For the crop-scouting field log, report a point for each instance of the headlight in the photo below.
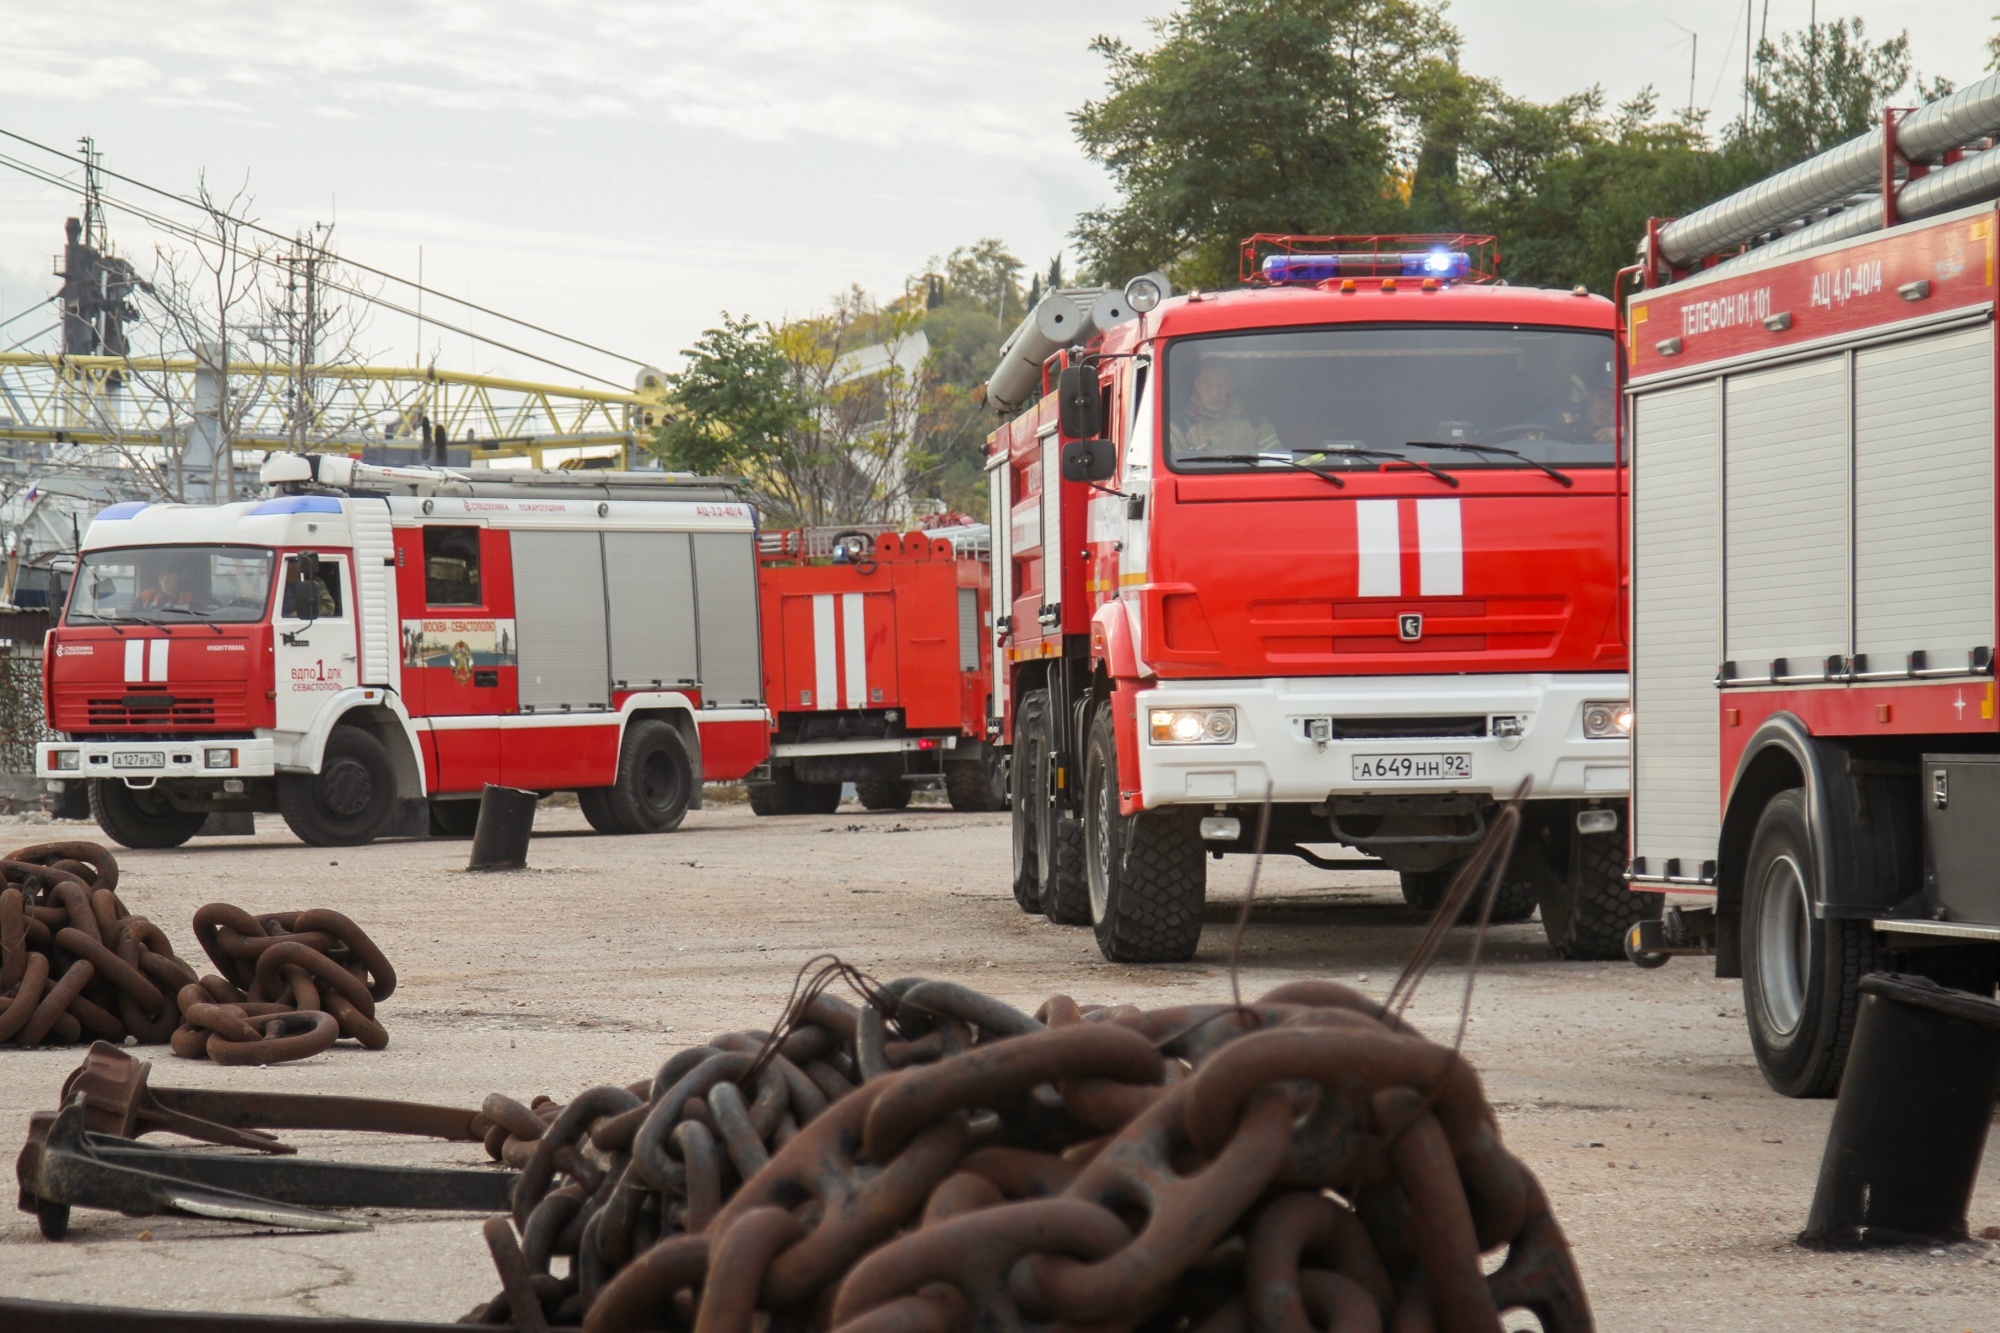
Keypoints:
(65, 761)
(1607, 719)
(1194, 726)
(219, 758)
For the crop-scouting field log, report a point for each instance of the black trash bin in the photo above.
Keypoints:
(506, 823)
(1909, 1130)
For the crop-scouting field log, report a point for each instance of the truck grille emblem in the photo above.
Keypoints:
(1410, 626)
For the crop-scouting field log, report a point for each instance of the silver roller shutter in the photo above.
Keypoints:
(1923, 499)
(1786, 517)
(374, 570)
(1000, 521)
(725, 581)
(651, 579)
(968, 629)
(559, 621)
(1676, 483)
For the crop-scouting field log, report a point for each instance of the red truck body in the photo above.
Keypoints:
(877, 667)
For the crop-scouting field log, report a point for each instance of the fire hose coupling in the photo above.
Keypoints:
(1193, 726)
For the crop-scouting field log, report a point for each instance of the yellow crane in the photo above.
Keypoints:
(151, 402)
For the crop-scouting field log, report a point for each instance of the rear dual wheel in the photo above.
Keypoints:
(653, 788)
(783, 794)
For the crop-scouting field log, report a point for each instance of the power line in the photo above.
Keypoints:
(31, 337)
(25, 313)
(380, 273)
(186, 232)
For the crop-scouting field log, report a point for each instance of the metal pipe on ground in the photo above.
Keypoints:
(506, 825)
(1909, 1130)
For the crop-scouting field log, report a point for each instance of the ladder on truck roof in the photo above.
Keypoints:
(296, 473)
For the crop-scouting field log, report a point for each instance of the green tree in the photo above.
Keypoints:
(736, 409)
(1821, 87)
(1253, 115)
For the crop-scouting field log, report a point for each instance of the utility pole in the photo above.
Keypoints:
(302, 319)
(97, 289)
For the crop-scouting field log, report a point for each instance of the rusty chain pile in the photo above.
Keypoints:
(291, 984)
(935, 1159)
(74, 961)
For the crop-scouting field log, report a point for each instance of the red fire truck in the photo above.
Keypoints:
(1816, 745)
(876, 667)
(367, 647)
(1344, 540)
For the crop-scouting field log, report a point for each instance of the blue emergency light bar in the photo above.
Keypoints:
(1444, 265)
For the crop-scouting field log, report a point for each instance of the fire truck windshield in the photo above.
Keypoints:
(1361, 398)
(168, 584)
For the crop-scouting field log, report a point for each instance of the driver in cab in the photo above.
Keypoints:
(169, 590)
(1214, 423)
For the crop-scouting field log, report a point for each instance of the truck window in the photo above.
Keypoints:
(1361, 396)
(451, 566)
(329, 585)
(168, 584)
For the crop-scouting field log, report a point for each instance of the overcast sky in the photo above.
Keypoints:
(624, 171)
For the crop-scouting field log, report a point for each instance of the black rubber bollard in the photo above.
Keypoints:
(506, 822)
(1909, 1129)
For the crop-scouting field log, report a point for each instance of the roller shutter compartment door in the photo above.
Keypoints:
(1923, 500)
(1785, 520)
(725, 581)
(650, 576)
(559, 621)
(1676, 489)
(968, 629)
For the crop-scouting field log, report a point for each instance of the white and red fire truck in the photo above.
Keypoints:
(1816, 746)
(1345, 539)
(367, 647)
(876, 667)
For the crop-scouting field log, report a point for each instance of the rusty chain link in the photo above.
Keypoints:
(290, 985)
(74, 962)
(935, 1159)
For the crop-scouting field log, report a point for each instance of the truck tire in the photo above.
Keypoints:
(595, 802)
(979, 785)
(654, 785)
(880, 794)
(454, 819)
(1801, 973)
(1024, 776)
(1146, 874)
(1059, 844)
(139, 819)
(1425, 890)
(1587, 909)
(346, 803)
(783, 794)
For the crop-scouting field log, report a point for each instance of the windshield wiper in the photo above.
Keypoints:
(1393, 457)
(1562, 477)
(1282, 459)
(182, 610)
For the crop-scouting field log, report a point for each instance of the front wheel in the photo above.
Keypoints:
(1147, 874)
(1587, 909)
(1024, 774)
(1801, 972)
(133, 818)
(1058, 834)
(346, 803)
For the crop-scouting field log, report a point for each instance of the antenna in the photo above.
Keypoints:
(1694, 52)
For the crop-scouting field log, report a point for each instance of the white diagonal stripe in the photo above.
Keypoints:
(854, 625)
(826, 680)
(1440, 549)
(1379, 543)
(156, 660)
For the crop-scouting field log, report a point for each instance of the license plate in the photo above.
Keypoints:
(1411, 767)
(141, 759)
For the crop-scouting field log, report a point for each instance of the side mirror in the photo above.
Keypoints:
(1079, 403)
(1089, 460)
(301, 600)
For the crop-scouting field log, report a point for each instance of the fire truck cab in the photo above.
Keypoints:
(1344, 541)
(367, 647)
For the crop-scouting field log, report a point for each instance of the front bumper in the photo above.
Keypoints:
(1273, 745)
(142, 763)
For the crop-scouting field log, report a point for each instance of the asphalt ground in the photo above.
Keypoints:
(1679, 1177)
